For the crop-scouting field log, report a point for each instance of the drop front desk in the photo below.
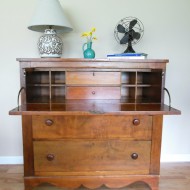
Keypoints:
(92, 122)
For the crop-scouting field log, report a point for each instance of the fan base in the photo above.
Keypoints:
(129, 49)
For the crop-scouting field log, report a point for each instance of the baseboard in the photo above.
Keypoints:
(11, 159)
(164, 158)
(175, 158)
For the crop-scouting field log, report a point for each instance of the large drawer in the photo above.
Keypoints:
(93, 92)
(131, 157)
(92, 126)
(84, 78)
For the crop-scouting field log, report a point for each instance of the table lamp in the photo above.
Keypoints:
(49, 18)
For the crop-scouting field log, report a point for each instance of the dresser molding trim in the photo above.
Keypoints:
(92, 182)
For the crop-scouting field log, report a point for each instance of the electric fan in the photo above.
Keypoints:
(128, 32)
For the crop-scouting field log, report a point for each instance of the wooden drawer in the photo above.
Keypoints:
(93, 107)
(84, 78)
(93, 93)
(91, 155)
(93, 127)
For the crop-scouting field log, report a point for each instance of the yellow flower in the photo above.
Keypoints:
(88, 35)
(93, 29)
(85, 34)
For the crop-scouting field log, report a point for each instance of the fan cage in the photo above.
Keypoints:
(125, 23)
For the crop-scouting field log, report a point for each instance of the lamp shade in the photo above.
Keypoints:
(49, 13)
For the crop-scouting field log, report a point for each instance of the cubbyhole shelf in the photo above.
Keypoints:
(141, 86)
(45, 86)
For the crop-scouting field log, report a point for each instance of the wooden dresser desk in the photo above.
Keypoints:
(92, 122)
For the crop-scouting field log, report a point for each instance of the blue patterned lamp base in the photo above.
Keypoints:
(50, 45)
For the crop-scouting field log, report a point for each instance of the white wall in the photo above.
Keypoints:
(167, 35)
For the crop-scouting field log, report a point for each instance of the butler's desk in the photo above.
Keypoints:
(92, 122)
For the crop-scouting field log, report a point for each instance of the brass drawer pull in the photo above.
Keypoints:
(134, 156)
(136, 122)
(50, 157)
(49, 122)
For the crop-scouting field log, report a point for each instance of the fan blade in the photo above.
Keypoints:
(132, 24)
(136, 35)
(120, 28)
(125, 39)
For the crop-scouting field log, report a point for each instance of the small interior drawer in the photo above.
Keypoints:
(85, 78)
(92, 155)
(93, 92)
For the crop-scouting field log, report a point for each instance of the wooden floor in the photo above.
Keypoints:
(174, 176)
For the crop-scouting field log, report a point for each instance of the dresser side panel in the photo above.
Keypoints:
(28, 146)
(156, 144)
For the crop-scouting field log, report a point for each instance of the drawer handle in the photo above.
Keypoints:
(93, 92)
(49, 122)
(134, 156)
(50, 157)
(136, 122)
